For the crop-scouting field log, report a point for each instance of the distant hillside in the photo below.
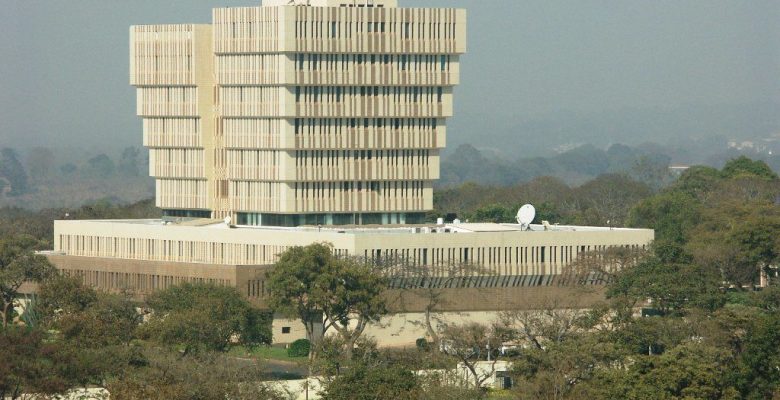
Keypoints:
(648, 164)
(44, 178)
(688, 131)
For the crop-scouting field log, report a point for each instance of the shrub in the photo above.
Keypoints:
(422, 344)
(299, 348)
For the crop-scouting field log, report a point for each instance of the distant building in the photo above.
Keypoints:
(678, 169)
(313, 121)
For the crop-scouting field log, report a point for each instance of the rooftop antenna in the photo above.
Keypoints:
(525, 215)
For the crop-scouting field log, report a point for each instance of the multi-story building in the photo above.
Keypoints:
(331, 113)
(321, 112)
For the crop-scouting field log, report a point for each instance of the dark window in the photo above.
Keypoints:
(285, 329)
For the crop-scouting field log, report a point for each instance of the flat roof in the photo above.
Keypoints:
(462, 227)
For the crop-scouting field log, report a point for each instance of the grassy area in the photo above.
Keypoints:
(500, 394)
(264, 352)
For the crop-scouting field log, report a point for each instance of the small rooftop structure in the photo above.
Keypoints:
(331, 3)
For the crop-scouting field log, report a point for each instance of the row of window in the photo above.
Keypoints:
(349, 29)
(263, 219)
(167, 94)
(329, 158)
(408, 94)
(169, 250)
(343, 62)
(186, 213)
(171, 125)
(176, 156)
(480, 281)
(137, 282)
(361, 5)
(328, 125)
(453, 257)
(387, 189)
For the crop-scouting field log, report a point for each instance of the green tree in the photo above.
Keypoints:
(30, 364)
(204, 317)
(547, 211)
(19, 264)
(63, 294)
(738, 239)
(309, 283)
(94, 330)
(652, 335)
(369, 382)
(294, 279)
(756, 373)
(743, 165)
(671, 287)
(671, 214)
(496, 213)
(688, 371)
(767, 299)
(607, 199)
(757, 239)
(350, 297)
(561, 370)
(110, 320)
(697, 180)
(158, 374)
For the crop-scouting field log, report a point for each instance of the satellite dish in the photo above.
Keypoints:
(227, 220)
(526, 214)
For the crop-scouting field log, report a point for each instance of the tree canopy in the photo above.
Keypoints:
(205, 317)
(19, 264)
(315, 286)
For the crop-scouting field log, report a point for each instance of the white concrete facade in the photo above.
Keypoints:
(505, 249)
(299, 112)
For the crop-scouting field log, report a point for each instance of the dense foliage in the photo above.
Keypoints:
(603, 201)
(16, 221)
(299, 348)
(313, 285)
(19, 264)
(686, 320)
(201, 317)
(83, 338)
(713, 336)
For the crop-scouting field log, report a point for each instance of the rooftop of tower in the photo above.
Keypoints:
(332, 3)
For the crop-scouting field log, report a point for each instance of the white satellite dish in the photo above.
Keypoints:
(526, 214)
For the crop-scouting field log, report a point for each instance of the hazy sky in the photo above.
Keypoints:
(64, 64)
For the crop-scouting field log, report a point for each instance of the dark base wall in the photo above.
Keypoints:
(496, 299)
(144, 277)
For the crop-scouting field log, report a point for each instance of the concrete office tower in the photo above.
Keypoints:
(299, 112)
